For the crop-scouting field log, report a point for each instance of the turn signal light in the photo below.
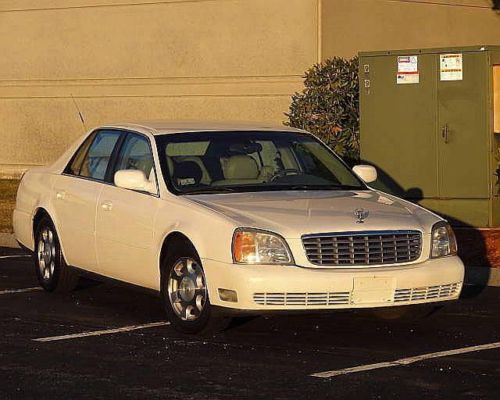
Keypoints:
(244, 246)
(252, 246)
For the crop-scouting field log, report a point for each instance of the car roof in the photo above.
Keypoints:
(162, 127)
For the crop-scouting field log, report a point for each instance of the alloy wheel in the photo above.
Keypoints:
(46, 253)
(187, 289)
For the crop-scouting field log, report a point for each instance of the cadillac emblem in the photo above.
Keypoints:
(361, 214)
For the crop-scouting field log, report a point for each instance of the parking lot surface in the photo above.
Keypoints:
(105, 341)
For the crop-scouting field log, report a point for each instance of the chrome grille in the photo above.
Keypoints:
(302, 299)
(363, 248)
(426, 293)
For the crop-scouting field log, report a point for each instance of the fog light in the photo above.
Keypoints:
(228, 295)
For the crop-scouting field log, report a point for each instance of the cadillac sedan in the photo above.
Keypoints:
(226, 220)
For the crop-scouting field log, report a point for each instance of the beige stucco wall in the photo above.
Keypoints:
(190, 59)
(350, 26)
(133, 59)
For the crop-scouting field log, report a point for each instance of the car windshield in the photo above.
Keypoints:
(255, 161)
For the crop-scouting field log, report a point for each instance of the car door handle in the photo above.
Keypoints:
(107, 206)
(60, 195)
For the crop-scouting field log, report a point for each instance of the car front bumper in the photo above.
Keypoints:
(281, 288)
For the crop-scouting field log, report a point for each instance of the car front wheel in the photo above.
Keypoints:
(185, 295)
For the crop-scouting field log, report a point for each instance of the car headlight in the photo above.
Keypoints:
(443, 240)
(252, 246)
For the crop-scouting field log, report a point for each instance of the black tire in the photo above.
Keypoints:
(53, 274)
(406, 313)
(208, 321)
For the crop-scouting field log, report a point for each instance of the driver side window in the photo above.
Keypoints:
(136, 154)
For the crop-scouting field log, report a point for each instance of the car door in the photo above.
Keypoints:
(76, 192)
(125, 219)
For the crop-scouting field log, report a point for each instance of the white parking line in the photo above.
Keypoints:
(406, 361)
(102, 332)
(15, 256)
(12, 291)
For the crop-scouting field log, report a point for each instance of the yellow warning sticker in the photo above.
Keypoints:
(451, 67)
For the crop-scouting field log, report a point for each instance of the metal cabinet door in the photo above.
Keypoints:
(463, 131)
(398, 125)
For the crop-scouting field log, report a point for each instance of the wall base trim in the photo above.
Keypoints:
(14, 171)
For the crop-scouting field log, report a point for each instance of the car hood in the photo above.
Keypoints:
(295, 213)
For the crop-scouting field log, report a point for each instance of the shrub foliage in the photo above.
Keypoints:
(329, 106)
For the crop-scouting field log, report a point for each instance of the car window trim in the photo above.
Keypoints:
(109, 175)
(113, 160)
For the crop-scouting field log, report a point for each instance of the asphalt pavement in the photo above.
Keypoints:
(107, 341)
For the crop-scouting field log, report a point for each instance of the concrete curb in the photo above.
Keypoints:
(7, 240)
(482, 276)
(474, 275)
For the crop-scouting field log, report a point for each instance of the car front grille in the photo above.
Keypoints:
(427, 293)
(302, 299)
(362, 248)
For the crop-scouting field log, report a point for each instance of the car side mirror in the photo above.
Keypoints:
(366, 172)
(134, 179)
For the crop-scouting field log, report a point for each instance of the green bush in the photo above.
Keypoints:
(329, 106)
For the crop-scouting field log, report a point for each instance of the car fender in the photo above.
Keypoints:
(209, 232)
(42, 189)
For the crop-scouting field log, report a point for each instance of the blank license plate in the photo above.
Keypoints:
(373, 290)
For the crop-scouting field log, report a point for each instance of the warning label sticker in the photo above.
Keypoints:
(407, 70)
(451, 67)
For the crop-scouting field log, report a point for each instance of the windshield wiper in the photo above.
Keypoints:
(322, 187)
(210, 191)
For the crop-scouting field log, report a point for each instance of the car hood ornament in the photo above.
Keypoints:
(361, 214)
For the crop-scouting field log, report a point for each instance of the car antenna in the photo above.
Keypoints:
(79, 113)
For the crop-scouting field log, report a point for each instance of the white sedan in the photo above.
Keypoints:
(229, 220)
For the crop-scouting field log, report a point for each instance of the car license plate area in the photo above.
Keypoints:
(371, 290)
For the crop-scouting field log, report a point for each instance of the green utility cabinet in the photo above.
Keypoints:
(430, 123)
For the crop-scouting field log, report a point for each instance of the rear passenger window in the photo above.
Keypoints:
(75, 165)
(97, 160)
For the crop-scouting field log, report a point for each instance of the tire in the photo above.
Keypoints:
(184, 293)
(406, 313)
(53, 274)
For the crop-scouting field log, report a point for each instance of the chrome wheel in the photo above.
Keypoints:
(46, 253)
(187, 289)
